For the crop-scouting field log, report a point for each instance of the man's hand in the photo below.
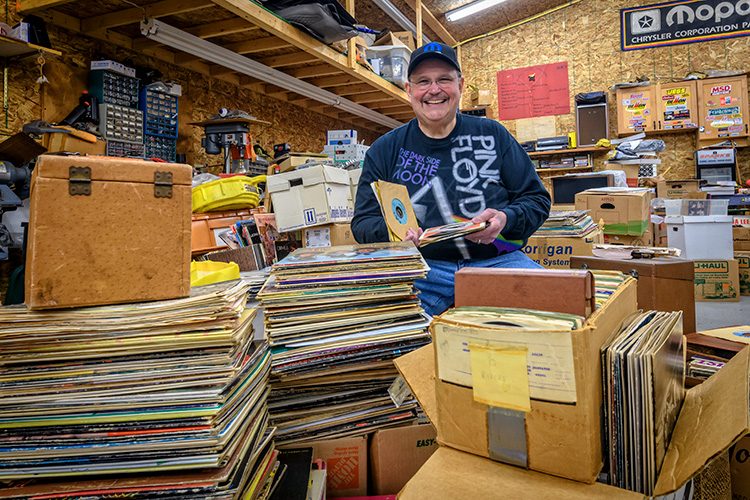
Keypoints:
(413, 236)
(496, 220)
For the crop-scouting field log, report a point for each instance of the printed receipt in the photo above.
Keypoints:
(550, 364)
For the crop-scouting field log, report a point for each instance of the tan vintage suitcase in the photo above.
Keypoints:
(106, 230)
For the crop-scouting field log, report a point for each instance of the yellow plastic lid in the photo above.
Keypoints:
(207, 272)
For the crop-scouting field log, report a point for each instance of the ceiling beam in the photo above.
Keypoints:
(287, 59)
(334, 81)
(135, 14)
(311, 71)
(27, 6)
(210, 30)
(431, 21)
(244, 47)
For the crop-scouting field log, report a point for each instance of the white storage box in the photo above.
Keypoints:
(341, 137)
(696, 207)
(701, 237)
(392, 62)
(346, 152)
(310, 196)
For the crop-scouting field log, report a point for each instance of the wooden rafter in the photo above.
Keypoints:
(287, 59)
(429, 18)
(135, 14)
(312, 71)
(27, 6)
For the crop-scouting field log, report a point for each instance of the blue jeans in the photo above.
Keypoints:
(437, 289)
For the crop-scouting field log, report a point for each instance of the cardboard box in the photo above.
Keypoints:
(397, 38)
(127, 240)
(346, 464)
(330, 235)
(643, 240)
(624, 212)
(717, 281)
(713, 417)
(663, 284)
(631, 172)
(481, 98)
(312, 196)
(743, 265)
(354, 176)
(296, 160)
(741, 238)
(57, 142)
(701, 236)
(555, 253)
(396, 454)
(572, 446)
(739, 468)
(677, 189)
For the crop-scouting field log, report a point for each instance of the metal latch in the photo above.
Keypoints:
(162, 184)
(79, 181)
(633, 273)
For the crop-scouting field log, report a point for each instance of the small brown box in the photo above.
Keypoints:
(106, 231)
(663, 284)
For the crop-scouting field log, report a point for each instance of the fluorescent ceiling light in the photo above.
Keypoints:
(398, 16)
(470, 8)
(184, 41)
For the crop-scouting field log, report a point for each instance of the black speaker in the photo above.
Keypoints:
(592, 123)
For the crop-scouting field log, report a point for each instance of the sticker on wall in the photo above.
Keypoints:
(721, 89)
(723, 122)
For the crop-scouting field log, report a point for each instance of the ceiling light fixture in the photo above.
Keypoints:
(470, 8)
(184, 41)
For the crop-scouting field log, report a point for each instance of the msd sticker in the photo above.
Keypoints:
(721, 89)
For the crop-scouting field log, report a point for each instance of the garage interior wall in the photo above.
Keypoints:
(587, 36)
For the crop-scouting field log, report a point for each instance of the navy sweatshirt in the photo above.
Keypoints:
(478, 166)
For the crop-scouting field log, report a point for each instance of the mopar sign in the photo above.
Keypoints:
(680, 22)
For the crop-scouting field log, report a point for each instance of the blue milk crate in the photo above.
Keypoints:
(159, 113)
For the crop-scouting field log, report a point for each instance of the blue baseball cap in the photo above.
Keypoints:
(435, 50)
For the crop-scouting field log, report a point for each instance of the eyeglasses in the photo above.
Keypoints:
(425, 84)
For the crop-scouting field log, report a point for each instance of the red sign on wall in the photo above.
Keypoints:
(533, 91)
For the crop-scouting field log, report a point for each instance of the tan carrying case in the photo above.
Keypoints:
(106, 230)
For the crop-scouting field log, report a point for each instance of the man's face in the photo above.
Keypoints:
(434, 90)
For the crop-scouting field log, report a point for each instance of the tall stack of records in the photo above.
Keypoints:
(573, 223)
(152, 400)
(643, 368)
(336, 318)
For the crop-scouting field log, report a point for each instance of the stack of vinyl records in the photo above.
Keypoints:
(152, 400)
(644, 378)
(336, 318)
(573, 223)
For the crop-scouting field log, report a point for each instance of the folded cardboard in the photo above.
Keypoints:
(297, 159)
(717, 281)
(743, 267)
(58, 142)
(739, 468)
(396, 454)
(555, 252)
(676, 189)
(625, 212)
(312, 196)
(354, 176)
(555, 290)
(713, 417)
(663, 284)
(346, 464)
(397, 38)
(330, 235)
(741, 238)
(107, 230)
(570, 448)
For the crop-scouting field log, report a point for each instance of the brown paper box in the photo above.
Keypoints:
(122, 243)
(559, 290)
(622, 212)
(717, 281)
(396, 454)
(330, 235)
(743, 265)
(663, 284)
(561, 439)
(713, 417)
(555, 253)
(677, 189)
(741, 236)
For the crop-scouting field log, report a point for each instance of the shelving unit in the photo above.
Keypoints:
(12, 48)
(588, 151)
(568, 151)
(249, 30)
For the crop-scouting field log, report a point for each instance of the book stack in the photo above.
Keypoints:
(336, 317)
(152, 400)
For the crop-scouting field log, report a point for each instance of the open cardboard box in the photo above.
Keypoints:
(713, 417)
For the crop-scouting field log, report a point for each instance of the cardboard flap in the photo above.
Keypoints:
(418, 369)
(450, 474)
(713, 417)
(107, 168)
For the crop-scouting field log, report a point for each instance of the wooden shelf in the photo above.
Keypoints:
(557, 169)
(590, 149)
(11, 47)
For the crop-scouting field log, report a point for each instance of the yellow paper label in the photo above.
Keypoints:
(500, 376)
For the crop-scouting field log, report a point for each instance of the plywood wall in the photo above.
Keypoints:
(202, 96)
(586, 35)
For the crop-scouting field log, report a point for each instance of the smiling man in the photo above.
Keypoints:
(455, 167)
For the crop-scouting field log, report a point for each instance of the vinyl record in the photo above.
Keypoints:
(399, 211)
